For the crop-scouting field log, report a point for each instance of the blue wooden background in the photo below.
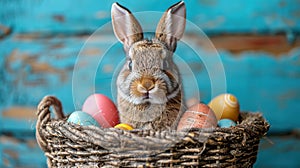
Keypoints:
(67, 49)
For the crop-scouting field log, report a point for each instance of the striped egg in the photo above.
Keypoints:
(197, 116)
(225, 106)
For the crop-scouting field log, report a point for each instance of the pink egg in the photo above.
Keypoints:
(102, 109)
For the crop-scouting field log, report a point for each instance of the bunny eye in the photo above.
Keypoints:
(129, 65)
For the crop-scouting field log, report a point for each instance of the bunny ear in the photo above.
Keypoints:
(171, 26)
(126, 28)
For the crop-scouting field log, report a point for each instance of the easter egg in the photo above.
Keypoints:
(225, 106)
(102, 109)
(123, 126)
(82, 118)
(226, 123)
(197, 116)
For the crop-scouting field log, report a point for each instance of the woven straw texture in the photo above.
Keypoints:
(71, 145)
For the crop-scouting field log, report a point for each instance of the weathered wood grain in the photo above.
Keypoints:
(279, 151)
(213, 16)
(45, 49)
(4, 31)
(22, 153)
(275, 45)
(20, 112)
(73, 67)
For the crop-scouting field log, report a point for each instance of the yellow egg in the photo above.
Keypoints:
(225, 106)
(123, 126)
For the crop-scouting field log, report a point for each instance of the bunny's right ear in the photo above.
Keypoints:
(126, 28)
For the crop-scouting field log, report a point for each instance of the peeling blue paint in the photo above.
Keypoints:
(254, 77)
(49, 40)
(277, 152)
(219, 16)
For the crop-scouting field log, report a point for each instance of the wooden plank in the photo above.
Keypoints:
(267, 84)
(14, 112)
(4, 31)
(17, 127)
(22, 153)
(262, 71)
(213, 16)
(279, 151)
(72, 68)
(35, 66)
(18, 121)
(57, 57)
(276, 45)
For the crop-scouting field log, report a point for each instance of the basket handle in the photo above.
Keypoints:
(43, 114)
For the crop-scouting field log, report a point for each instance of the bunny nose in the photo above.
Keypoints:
(146, 85)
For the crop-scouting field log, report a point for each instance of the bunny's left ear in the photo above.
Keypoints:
(126, 28)
(171, 26)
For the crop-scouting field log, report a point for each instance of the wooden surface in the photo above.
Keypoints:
(214, 16)
(48, 47)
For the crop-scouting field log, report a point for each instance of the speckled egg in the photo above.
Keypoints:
(197, 116)
(225, 106)
(82, 118)
(102, 109)
(226, 123)
(123, 126)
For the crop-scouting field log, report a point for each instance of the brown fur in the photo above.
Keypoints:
(135, 114)
(149, 84)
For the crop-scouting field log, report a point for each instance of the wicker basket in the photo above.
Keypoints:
(71, 145)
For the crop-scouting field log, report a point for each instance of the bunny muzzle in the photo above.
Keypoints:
(150, 88)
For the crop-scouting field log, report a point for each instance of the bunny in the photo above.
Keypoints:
(149, 93)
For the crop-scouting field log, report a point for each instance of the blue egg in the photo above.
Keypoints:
(82, 118)
(226, 123)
